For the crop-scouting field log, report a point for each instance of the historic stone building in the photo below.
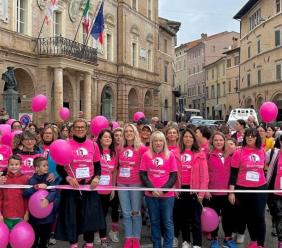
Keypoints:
(121, 79)
(261, 53)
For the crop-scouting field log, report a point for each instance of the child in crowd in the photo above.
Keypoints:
(13, 206)
(42, 227)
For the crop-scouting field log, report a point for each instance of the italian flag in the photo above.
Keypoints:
(85, 21)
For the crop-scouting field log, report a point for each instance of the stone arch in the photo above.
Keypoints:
(132, 103)
(277, 99)
(68, 95)
(134, 30)
(107, 102)
(148, 104)
(248, 102)
(260, 101)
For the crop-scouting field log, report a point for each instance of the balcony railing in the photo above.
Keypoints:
(60, 47)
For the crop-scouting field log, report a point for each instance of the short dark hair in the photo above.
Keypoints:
(242, 122)
(15, 157)
(143, 121)
(195, 147)
(252, 131)
(206, 132)
(38, 160)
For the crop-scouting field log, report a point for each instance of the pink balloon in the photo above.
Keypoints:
(4, 235)
(61, 152)
(268, 112)
(22, 235)
(64, 113)
(137, 116)
(7, 138)
(209, 220)
(115, 125)
(39, 103)
(34, 204)
(10, 121)
(98, 123)
(5, 128)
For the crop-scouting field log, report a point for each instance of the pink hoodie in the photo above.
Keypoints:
(199, 173)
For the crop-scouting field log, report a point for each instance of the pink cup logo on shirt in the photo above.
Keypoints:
(28, 162)
(107, 157)
(186, 158)
(1, 157)
(158, 162)
(82, 152)
(254, 158)
(128, 154)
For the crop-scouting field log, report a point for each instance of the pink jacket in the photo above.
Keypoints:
(199, 173)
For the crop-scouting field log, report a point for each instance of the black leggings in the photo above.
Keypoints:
(252, 207)
(105, 200)
(187, 213)
(42, 234)
(114, 204)
(277, 214)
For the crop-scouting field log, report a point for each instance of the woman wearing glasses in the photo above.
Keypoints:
(247, 173)
(80, 211)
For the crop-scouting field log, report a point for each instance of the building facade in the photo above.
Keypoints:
(198, 54)
(120, 79)
(261, 53)
(166, 67)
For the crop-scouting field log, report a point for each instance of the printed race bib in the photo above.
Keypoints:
(252, 176)
(124, 172)
(82, 173)
(104, 180)
(280, 182)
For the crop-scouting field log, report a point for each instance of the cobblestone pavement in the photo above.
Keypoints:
(271, 242)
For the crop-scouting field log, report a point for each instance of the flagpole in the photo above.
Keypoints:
(78, 27)
(94, 18)
(39, 33)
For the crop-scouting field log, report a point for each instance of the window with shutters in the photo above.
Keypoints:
(277, 6)
(4, 10)
(259, 75)
(21, 16)
(278, 37)
(57, 23)
(278, 71)
(228, 63)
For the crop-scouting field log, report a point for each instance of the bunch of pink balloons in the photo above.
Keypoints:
(268, 112)
(34, 205)
(64, 113)
(61, 152)
(39, 103)
(137, 116)
(97, 124)
(209, 220)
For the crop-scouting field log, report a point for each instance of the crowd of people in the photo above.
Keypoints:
(146, 154)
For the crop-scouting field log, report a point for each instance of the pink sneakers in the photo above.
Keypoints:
(136, 243)
(253, 244)
(128, 243)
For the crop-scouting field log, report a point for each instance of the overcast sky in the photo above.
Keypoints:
(201, 16)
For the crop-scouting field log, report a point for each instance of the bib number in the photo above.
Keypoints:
(252, 176)
(82, 173)
(124, 172)
(104, 180)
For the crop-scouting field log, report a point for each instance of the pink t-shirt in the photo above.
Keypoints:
(158, 170)
(5, 153)
(205, 148)
(278, 178)
(219, 171)
(186, 165)
(250, 162)
(46, 150)
(108, 166)
(129, 164)
(27, 163)
(85, 154)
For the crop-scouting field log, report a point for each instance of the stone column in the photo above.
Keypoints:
(87, 96)
(58, 92)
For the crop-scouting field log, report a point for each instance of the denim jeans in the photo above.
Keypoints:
(130, 202)
(161, 217)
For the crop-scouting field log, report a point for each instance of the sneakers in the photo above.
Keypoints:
(253, 244)
(135, 243)
(74, 246)
(185, 244)
(88, 245)
(229, 244)
(214, 244)
(105, 243)
(196, 246)
(97, 240)
(128, 243)
(114, 236)
(52, 240)
(273, 232)
(240, 238)
(175, 242)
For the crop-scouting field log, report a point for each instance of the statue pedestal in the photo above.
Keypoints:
(11, 103)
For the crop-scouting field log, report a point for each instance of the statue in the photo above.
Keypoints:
(9, 78)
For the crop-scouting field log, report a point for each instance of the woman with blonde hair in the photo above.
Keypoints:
(159, 170)
(129, 158)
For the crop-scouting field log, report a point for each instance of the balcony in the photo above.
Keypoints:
(63, 47)
(176, 91)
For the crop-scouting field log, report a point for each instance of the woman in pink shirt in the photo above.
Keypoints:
(159, 170)
(129, 158)
(172, 136)
(219, 174)
(192, 174)
(5, 153)
(108, 163)
(247, 172)
(203, 135)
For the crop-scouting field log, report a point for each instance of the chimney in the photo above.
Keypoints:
(204, 36)
(235, 42)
